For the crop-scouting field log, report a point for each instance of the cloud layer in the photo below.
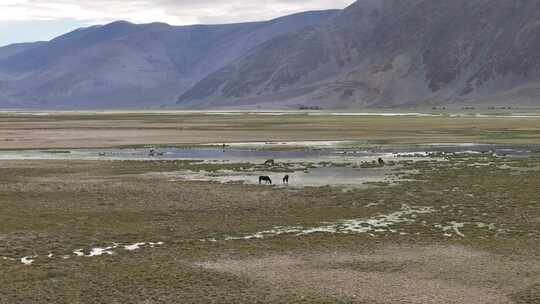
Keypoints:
(177, 12)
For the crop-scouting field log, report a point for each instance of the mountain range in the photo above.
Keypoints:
(374, 53)
(130, 65)
(391, 53)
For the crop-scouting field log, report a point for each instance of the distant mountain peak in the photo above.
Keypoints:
(119, 22)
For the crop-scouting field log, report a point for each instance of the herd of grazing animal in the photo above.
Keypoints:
(270, 162)
(268, 180)
(152, 153)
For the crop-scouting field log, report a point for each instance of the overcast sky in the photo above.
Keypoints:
(32, 20)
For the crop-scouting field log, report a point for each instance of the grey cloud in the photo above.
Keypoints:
(171, 11)
(212, 11)
(45, 19)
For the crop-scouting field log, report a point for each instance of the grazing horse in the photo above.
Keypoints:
(381, 162)
(286, 179)
(265, 179)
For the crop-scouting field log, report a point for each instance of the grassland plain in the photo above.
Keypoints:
(476, 240)
(479, 245)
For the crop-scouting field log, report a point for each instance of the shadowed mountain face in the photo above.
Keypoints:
(128, 65)
(14, 49)
(382, 53)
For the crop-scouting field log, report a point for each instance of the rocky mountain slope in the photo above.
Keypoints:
(380, 53)
(129, 65)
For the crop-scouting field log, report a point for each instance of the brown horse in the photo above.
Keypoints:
(286, 179)
(265, 179)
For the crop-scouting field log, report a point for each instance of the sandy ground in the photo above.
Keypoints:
(393, 274)
(101, 130)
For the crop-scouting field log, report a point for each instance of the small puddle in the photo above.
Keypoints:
(382, 223)
(92, 252)
(28, 260)
(455, 228)
(452, 226)
(378, 224)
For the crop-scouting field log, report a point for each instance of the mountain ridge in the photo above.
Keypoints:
(122, 64)
(390, 53)
(374, 53)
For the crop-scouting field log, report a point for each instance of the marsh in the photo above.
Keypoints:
(454, 221)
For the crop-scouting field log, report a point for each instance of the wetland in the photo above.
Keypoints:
(452, 216)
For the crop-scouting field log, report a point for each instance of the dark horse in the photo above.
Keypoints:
(265, 179)
(286, 179)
